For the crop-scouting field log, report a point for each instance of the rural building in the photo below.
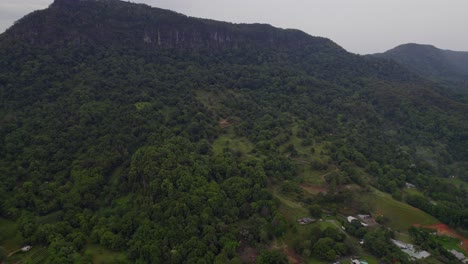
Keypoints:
(305, 220)
(460, 256)
(352, 218)
(410, 250)
(26, 248)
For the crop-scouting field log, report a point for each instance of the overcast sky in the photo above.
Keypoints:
(359, 26)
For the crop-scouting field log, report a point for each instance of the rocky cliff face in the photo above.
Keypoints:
(112, 22)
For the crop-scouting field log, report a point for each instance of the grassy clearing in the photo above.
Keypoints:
(50, 218)
(449, 242)
(403, 237)
(102, 255)
(210, 100)
(401, 215)
(412, 191)
(458, 182)
(309, 176)
(214, 100)
(12, 239)
(306, 156)
(289, 208)
(142, 105)
(35, 256)
(228, 140)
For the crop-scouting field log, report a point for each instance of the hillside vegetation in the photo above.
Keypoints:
(447, 66)
(141, 135)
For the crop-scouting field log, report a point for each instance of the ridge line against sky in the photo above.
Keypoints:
(359, 26)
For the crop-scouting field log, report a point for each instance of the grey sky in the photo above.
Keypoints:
(360, 26)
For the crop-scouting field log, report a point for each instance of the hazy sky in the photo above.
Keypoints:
(360, 26)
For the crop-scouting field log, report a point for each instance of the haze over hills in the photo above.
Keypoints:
(430, 61)
(139, 135)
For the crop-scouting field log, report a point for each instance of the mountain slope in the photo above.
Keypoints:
(167, 137)
(141, 26)
(431, 61)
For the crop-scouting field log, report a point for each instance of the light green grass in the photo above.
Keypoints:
(403, 237)
(306, 174)
(449, 242)
(412, 191)
(242, 145)
(401, 215)
(309, 176)
(142, 105)
(12, 239)
(210, 100)
(101, 255)
(458, 182)
(290, 209)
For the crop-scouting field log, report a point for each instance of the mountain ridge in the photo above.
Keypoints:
(151, 27)
(430, 61)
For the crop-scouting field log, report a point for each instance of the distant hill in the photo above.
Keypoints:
(430, 61)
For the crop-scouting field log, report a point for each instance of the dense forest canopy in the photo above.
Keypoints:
(112, 113)
(446, 66)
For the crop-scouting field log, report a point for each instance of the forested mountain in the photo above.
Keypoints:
(430, 61)
(166, 138)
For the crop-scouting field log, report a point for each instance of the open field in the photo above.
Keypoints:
(102, 255)
(12, 239)
(228, 140)
(401, 215)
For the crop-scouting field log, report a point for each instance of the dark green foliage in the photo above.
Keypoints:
(106, 136)
(431, 61)
(378, 243)
(431, 243)
(323, 244)
(3, 254)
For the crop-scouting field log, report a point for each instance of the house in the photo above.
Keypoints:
(410, 250)
(354, 261)
(363, 216)
(419, 254)
(305, 220)
(352, 218)
(400, 244)
(409, 185)
(26, 248)
(460, 256)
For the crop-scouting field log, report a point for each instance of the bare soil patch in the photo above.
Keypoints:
(223, 123)
(248, 254)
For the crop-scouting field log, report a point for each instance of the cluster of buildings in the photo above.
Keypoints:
(460, 256)
(410, 250)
